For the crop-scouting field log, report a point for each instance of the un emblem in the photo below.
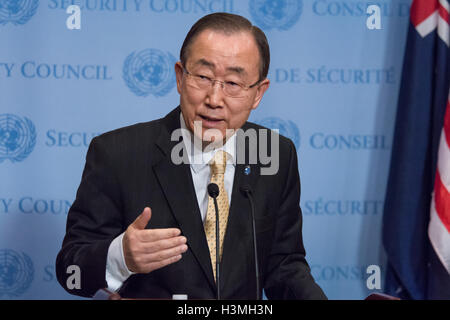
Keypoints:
(17, 137)
(149, 71)
(278, 14)
(286, 128)
(16, 273)
(17, 11)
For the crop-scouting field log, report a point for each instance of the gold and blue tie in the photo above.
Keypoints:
(218, 166)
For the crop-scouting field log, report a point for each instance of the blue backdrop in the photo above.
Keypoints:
(334, 87)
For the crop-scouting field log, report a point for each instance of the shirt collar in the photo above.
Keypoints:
(199, 159)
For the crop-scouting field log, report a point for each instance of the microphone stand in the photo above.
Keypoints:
(213, 191)
(247, 191)
(217, 249)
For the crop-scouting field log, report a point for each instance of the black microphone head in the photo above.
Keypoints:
(213, 190)
(245, 188)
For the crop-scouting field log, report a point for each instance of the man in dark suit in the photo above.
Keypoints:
(139, 224)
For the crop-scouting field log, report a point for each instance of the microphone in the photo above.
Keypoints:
(248, 192)
(213, 191)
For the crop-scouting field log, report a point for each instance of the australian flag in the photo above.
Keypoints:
(416, 222)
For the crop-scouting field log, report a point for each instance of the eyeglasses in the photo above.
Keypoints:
(230, 88)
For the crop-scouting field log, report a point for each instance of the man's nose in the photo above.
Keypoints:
(215, 95)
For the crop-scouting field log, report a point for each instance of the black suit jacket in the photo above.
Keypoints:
(130, 168)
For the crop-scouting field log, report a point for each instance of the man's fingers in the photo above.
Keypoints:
(142, 220)
(163, 255)
(152, 235)
(159, 264)
(155, 246)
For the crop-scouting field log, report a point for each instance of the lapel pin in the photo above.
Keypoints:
(247, 170)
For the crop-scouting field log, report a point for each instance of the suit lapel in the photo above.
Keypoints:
(177, 185)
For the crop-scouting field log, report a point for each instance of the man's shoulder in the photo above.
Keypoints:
(140, 128)
(130, 139)
(142, 132)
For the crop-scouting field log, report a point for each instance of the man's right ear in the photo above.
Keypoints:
(179, 75)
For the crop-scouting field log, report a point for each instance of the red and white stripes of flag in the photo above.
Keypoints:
(439, 226)
(427, 15)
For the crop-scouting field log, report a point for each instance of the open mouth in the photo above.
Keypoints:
(210, 119)
(211, 123)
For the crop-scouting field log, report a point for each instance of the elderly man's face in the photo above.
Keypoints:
(230, 58)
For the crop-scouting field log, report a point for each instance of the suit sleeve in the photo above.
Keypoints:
(93, 221)
(289, 275)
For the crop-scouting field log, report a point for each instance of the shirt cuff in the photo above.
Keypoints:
(116, 269)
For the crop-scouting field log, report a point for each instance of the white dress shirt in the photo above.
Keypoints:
(116, 269)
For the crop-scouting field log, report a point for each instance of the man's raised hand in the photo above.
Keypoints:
(146, 250)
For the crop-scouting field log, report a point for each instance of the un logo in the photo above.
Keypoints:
(17, 11)
(286, 128)
(278, 14)
(149, 71)
(16, 273)
(17, 137)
